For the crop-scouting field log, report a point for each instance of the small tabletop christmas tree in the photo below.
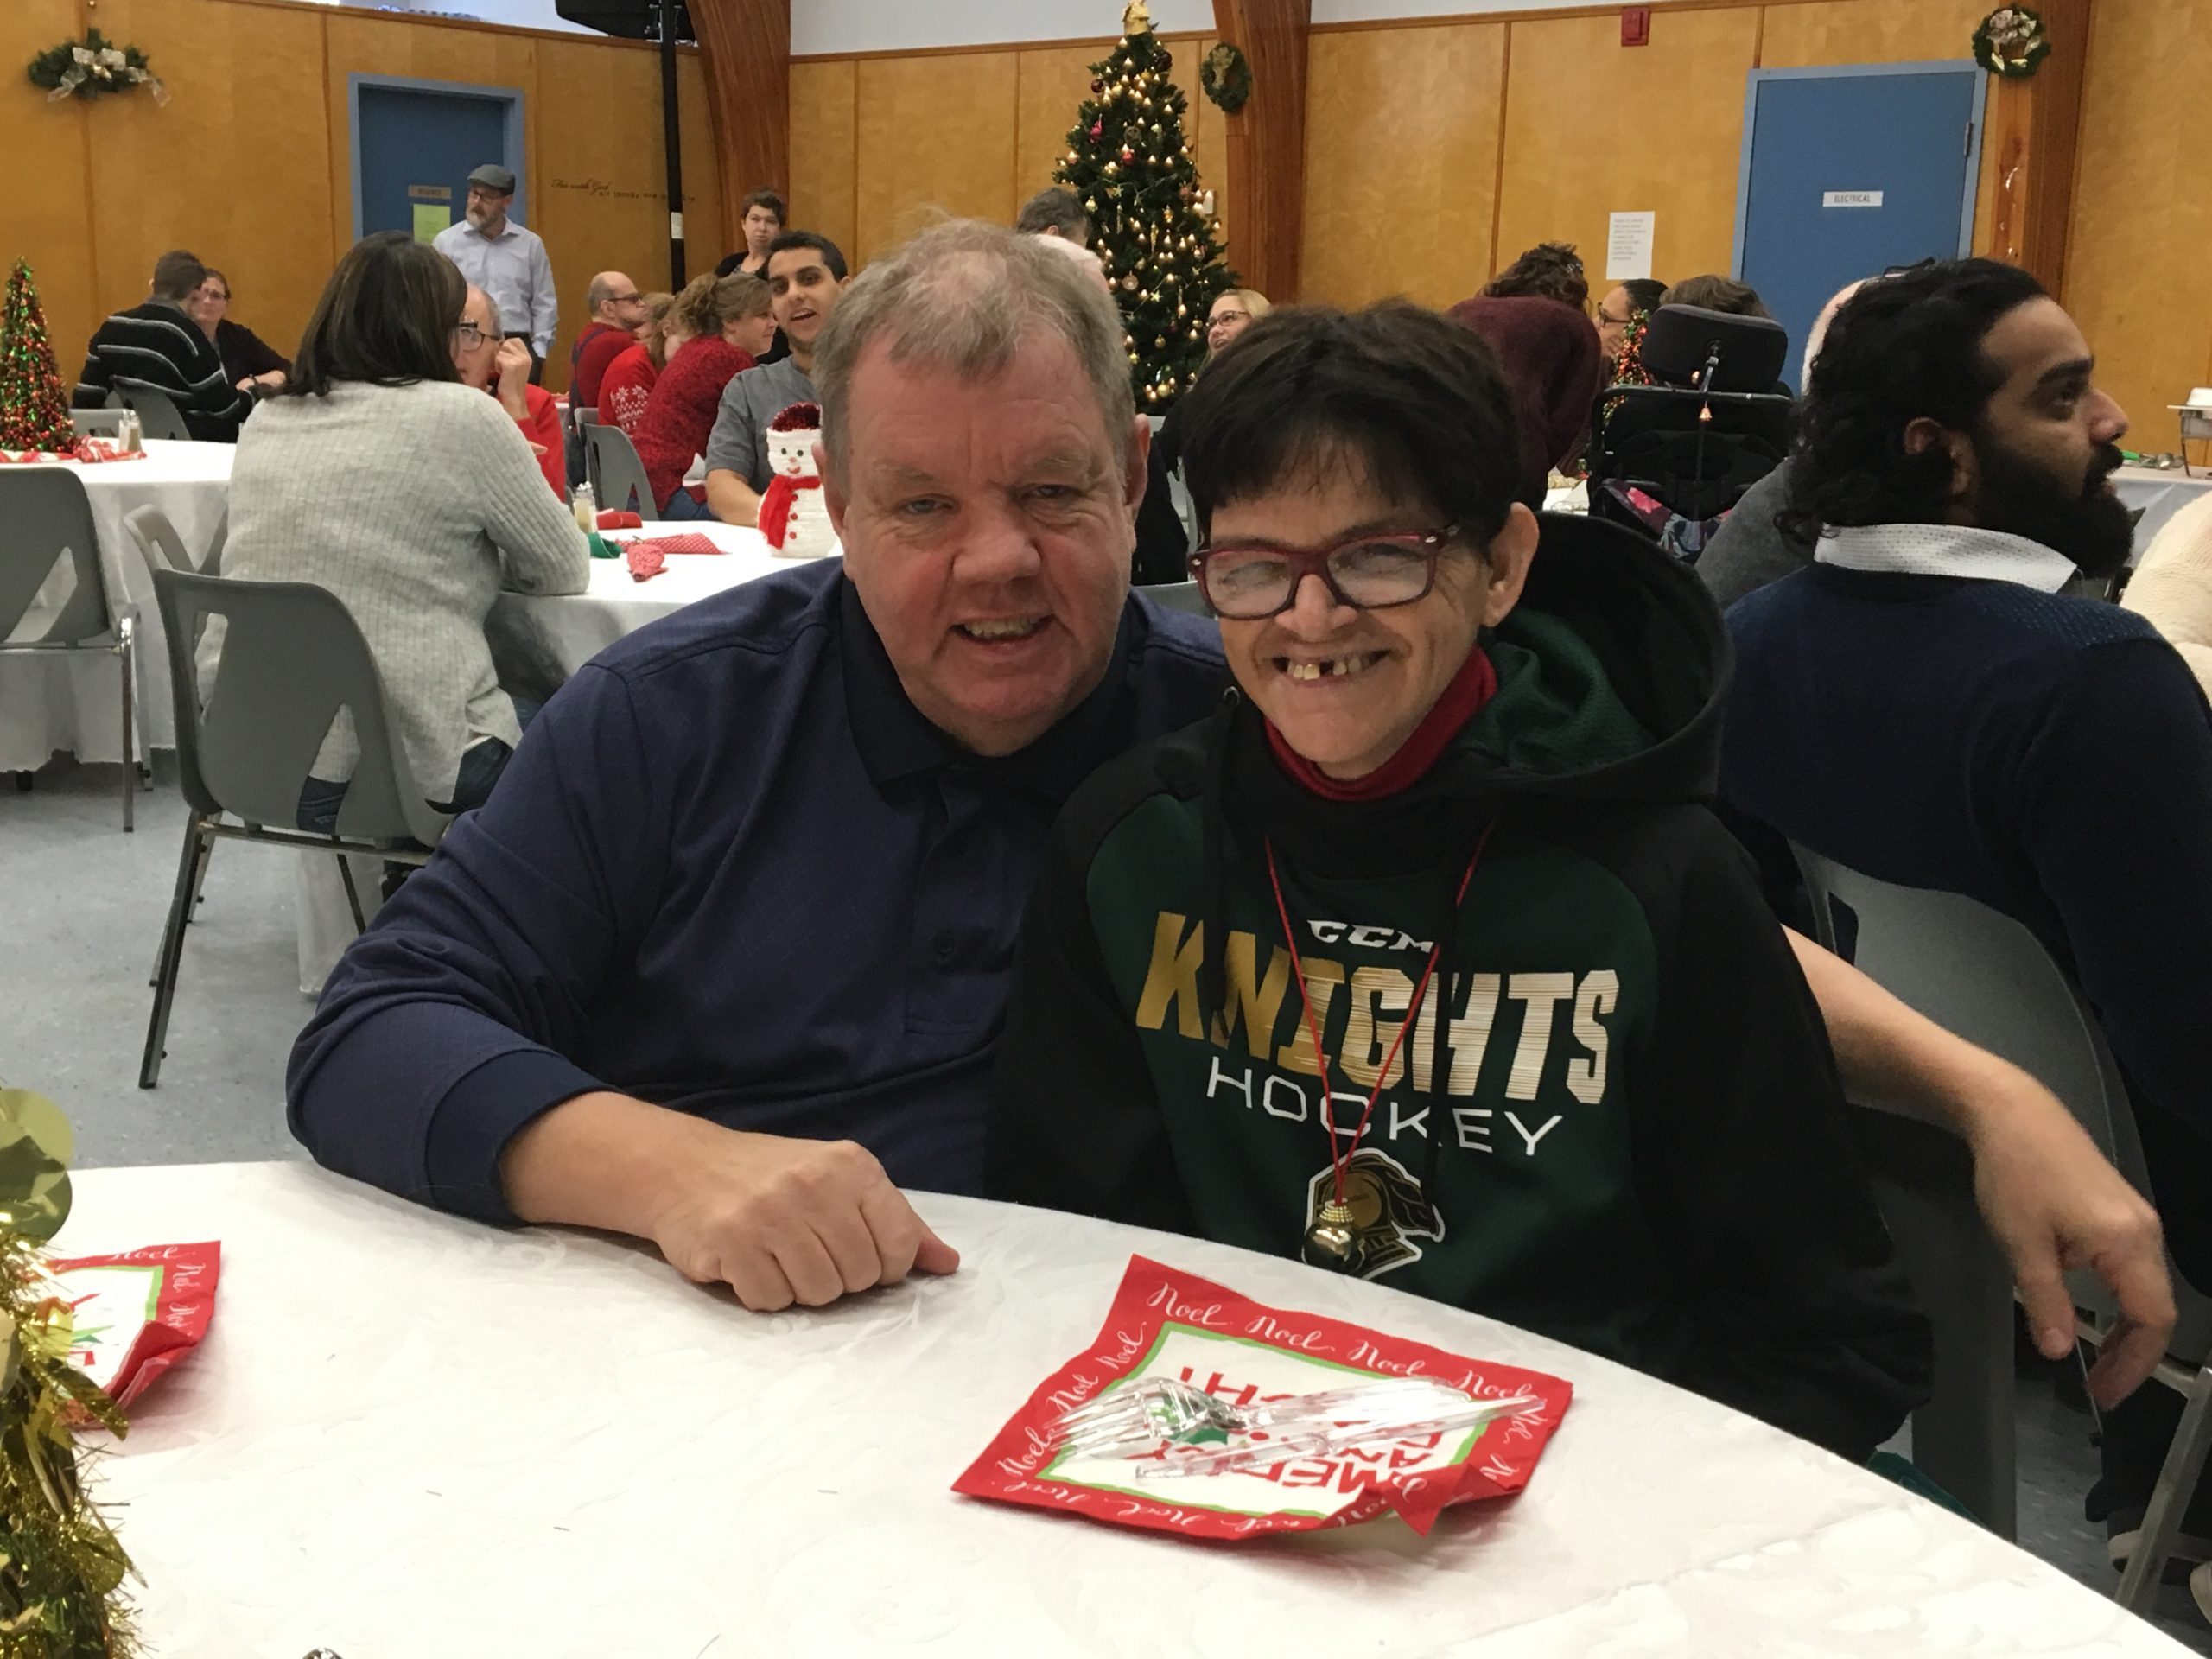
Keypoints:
(34, 408)
(1127, 165)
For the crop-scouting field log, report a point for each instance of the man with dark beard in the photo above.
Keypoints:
(1922, 706)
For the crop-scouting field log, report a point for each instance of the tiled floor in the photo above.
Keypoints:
(81, 911)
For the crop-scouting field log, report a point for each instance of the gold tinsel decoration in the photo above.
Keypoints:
(62, 1570)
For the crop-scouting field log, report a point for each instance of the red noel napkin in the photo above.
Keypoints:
(646, 560)
(1167, 1323)
(688, 541)
(612, 520)
(137, 1313)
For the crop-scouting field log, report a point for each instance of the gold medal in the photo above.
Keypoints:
(1329, 1238)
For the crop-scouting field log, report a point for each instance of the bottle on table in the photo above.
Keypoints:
(587, 508)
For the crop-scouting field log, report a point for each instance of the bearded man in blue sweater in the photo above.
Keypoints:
(1924, 706)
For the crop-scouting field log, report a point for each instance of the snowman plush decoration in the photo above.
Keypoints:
(793, 518)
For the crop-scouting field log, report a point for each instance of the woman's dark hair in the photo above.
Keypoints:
(1411, 399)
(822, 244)
(1644, 293)
(769, 199)
(1907, 347)
(1550, 270)
(386, 317)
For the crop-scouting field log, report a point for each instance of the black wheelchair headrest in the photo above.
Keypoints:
(1679, 339)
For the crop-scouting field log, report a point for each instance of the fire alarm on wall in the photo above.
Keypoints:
(1636, 26)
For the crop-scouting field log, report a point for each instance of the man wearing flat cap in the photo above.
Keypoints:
(505, 261)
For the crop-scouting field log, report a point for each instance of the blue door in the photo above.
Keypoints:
(1848, 172)
(415, 144)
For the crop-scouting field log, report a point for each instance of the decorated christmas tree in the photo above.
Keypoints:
(1127, 164)
(34, 408)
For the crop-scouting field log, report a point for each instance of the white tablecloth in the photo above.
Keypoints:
(73, 704)
(412, 1435)
(537, 643)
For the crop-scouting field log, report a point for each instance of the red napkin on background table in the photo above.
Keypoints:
(612, 520)
(687, 542)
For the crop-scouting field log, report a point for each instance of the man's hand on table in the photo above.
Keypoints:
(779, 1220)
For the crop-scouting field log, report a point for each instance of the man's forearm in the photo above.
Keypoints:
(731, 499)
(600, 1159)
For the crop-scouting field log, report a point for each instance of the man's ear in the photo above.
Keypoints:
(1923, 433)
(1137, 470)
(1511, 551)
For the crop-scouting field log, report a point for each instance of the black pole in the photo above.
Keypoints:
(672, 141)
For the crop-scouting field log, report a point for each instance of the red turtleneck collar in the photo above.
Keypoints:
(1472, 687)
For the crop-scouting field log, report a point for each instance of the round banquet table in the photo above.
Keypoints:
(411, 1435)
(73, 701)
(537, 642)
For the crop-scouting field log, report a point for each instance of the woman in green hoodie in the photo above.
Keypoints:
(1424, 958)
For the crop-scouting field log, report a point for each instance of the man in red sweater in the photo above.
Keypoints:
(502, 368)
(617, 309)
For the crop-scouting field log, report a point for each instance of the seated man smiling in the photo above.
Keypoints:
(1423, 960)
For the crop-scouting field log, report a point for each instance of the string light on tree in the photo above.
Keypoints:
(34, 408)
(1129, 164)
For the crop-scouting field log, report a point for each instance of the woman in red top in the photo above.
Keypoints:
(629, 378)
(726, 324)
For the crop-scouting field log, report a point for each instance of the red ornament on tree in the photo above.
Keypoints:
(1097, 85)
(34, 408)
(1096, 127)
(1127, 155)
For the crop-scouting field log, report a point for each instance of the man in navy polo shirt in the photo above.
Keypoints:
(722, 963)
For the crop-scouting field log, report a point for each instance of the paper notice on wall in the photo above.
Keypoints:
(1628, 247)
(431, 218)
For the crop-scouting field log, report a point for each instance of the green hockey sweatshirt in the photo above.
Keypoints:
(1614, 1119)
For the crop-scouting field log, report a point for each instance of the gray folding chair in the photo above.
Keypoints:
(157, 411)
(46, 517)
(1987, 978)
(96, 423)
(618, 477)
(292, 659)
(1178, 596)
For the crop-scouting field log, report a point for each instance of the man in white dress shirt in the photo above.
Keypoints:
(506, 261)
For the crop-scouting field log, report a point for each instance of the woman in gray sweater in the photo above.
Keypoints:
(376, 474)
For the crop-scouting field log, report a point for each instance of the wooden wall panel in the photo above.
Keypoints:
(1050, 86)
(47, 216)
(1428, 100)
(602, 184)
(933, 134)
(2138, 271)
(745, 46)
(1814, 33)
(1593, 127)
(825, 138)
(704, 233)
(241, 182)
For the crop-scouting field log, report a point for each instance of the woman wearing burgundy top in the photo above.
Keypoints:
(726, 322)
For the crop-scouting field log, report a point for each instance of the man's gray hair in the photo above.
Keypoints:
(963, 295)
(491, 307)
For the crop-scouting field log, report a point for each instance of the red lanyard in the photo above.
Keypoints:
(1340, 1164)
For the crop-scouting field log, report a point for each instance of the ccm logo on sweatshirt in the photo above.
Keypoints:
(1368, 938)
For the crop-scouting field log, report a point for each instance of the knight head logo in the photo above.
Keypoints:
(1388, 1212)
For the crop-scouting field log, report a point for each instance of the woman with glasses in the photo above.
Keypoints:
(1422, 960)
(250, 363)
(379, 474)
